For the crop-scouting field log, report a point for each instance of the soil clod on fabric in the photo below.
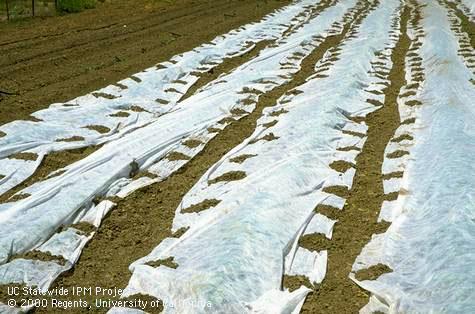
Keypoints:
(241, 158)
(268, 137)
(41, 256)
(120, 114)
(373, 272)
(174, 156)
(99, 128)
(204, 205)
(228, 177)
(397, 154)
(295, 282)
(191, 143)
(71, 139)
(24, 156)
(342, 166)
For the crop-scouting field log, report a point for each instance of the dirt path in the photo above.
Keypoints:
(60, 58)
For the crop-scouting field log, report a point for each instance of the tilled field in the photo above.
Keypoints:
(314, 157)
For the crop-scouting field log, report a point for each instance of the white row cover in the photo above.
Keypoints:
(430, 243)
(235, 254)
(145, 97)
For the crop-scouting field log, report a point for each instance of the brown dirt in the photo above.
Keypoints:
(120, 114)
(18, 197)
(98, 128)
(24, 156)
(229, 176)
(412, 103)
(180, 232)
(397, 154)
(409, 121)
(41, 256)
(270, 124)
(372, 272)
(402, 138)
(331, 212)
(201, 206)
(319, 240)
(278, 113)
(268, 137)
(354, 133)
(294, 282)
(338, 190)
(137, 109)
(391, 196)
(59, 58)
(348, 148)
(397, 174)
(341, 166)
(241, 158)
(191, 143)
(358, 219)
(74, 138)
(213, 130)
(174, 156)
(238, 111)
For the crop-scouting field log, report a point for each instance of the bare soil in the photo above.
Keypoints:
(55, 59)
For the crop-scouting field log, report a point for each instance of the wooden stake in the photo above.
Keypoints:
(33, 7)
(8, 12)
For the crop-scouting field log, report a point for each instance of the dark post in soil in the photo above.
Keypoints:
(33, 7)
(8, 12)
